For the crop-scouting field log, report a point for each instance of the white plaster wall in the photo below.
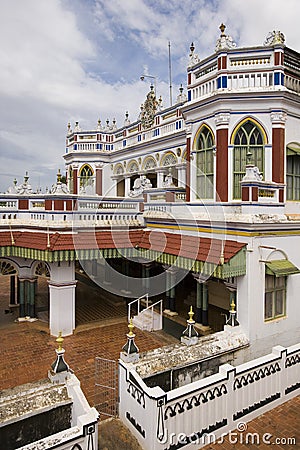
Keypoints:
(283, 331)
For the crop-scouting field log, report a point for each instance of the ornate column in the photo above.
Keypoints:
(278, 120)
(31, 289)
(27, 289)
(221, 175)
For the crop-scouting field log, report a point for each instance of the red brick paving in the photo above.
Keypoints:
(28, 351)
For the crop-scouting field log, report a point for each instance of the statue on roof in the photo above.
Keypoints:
(59, 187)
(225, 41)
(194, 58)
(274, 37)
(149, 109)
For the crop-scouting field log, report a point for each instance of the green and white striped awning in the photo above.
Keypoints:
(281, 268)
(293, 148)
(235, 266)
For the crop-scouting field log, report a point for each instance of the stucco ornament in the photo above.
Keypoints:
(140, 185)
(149, 109)
(274, 37)
(224, 41)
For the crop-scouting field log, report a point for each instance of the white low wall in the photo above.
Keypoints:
(212, 406)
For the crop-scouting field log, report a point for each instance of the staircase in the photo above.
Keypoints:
(148, 319)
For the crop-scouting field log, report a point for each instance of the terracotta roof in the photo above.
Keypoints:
(193, 247)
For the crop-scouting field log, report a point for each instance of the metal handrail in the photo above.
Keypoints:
(138, 300)
(151, 307)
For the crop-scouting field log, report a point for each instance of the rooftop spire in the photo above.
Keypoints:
(224, 42)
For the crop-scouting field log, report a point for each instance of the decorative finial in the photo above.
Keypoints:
(59, 340)
(232, 305)
(224, 42)
(222, 28)
(232, 320)
(191, 313)
(190, 335)
(194, 58)
(130, 352)
(131, 327)
(59, 368)
(58, 179)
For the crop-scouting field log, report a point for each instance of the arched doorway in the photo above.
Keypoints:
(42, 272)
(9, 306)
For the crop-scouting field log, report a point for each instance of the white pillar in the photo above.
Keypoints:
(127, 185)
(160, 177)
(181, 174)
(62, 286)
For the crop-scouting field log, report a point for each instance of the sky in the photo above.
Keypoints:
(80, 60)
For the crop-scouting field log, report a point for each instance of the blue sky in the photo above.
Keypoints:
(68, 60)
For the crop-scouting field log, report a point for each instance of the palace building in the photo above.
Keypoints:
(193, 204)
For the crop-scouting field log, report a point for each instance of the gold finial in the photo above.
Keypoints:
(131, 327)
(58, 176)
(59, 340)
(222, 28)
(232, 304)
(191, 313)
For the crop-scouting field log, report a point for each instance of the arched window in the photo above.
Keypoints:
(248, 147)
(86, 176)
(205, 163)
(293, 171)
